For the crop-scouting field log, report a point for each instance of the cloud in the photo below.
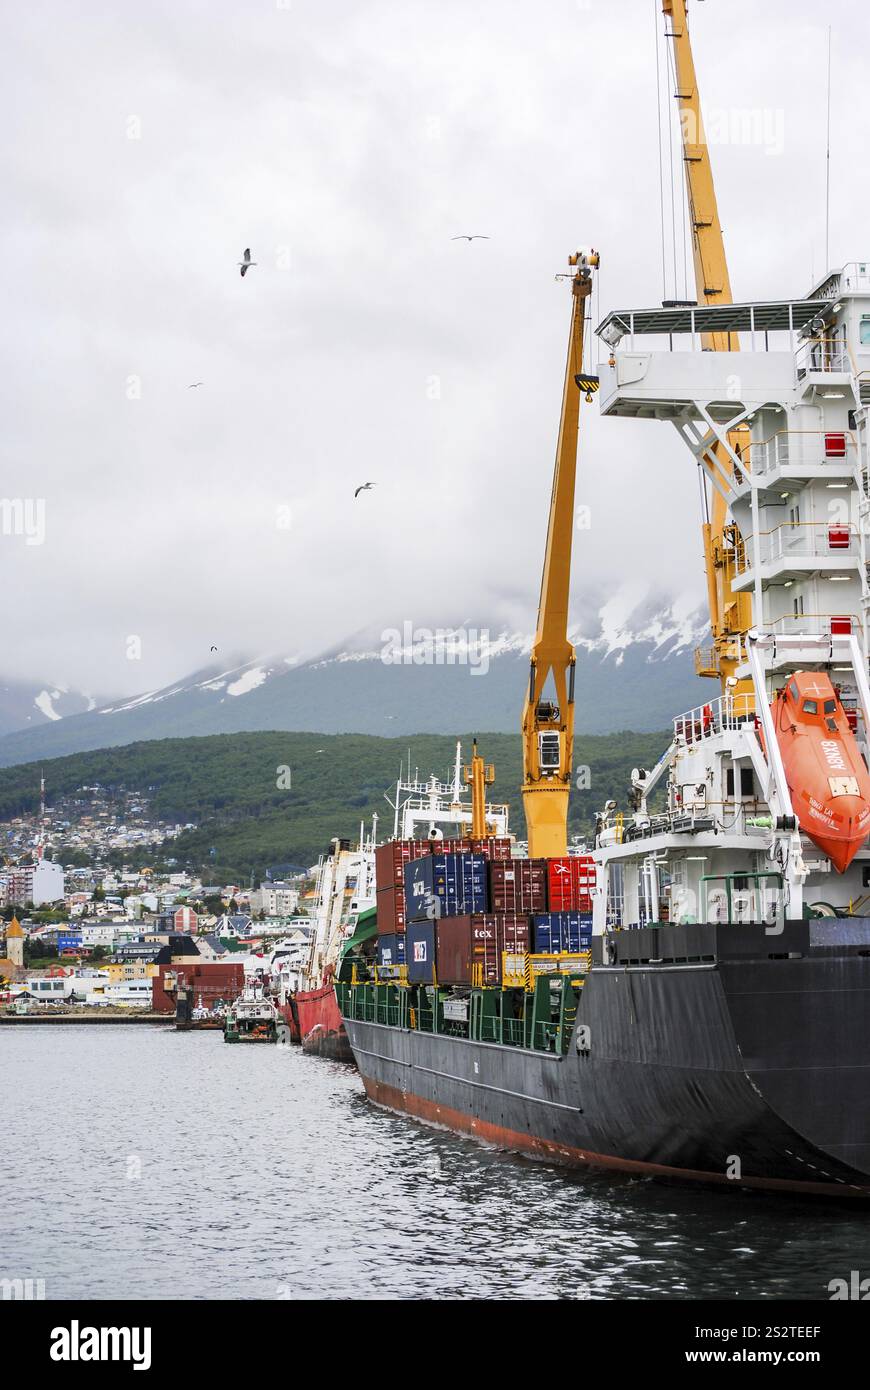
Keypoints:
(346, 144)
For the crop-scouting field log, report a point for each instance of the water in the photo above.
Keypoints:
(145, 1163)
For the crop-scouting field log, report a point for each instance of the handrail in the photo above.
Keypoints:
(833, 360)
(806, 618)
(724, 712)
(775, 451)
(744, 561)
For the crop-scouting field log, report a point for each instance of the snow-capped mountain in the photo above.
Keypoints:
(403, 680)
(32, 705)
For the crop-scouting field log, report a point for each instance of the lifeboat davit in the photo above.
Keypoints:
(826, 774)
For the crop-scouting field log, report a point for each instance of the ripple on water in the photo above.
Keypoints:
(170, 1165)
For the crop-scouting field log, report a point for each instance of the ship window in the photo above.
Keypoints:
(865, 329)
(844, 786)
(747, 785)
(793, 691)
(830, 706)
(832, 725)
(811, 707)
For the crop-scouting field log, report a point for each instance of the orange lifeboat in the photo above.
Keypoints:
(826, 774)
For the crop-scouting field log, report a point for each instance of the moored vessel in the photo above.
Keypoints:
(718, 1027)
(253, 1018)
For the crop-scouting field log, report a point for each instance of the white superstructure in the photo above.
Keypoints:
(787, 405)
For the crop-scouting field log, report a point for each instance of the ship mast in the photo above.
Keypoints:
(479, 776)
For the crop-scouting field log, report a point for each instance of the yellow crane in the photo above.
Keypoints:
(730, 613)
(548, 725)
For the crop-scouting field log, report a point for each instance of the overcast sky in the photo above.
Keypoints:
(145, 145)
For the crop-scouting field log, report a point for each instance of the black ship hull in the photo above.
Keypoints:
(746, 1064)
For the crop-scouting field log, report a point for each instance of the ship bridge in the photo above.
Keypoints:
(685, 361)
(772, 399)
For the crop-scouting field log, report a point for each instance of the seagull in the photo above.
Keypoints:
(212, 649)
(193, 385)
(464, 237)
(363, 487)
(247, 262)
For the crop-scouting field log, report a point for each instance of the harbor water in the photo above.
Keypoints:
(142, 1163)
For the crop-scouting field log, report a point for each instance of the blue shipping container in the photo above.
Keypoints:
(556, 932)
(446, 885)
(391, 949)
(420, 951)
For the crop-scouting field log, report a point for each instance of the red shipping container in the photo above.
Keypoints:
(390, 905)
(570, 883)
(465, 943)
(391, 858)
(493, 848)
(518, 885)
(492, 934)
(453, 950)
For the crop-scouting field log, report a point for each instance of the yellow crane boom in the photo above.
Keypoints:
(730, 613)
(548, 725)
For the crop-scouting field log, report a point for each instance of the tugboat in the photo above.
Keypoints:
(253, 1018)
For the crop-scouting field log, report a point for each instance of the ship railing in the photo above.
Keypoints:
(817, 624)
(716, 716)
(799, 539)
(825, 353)
(855, 276)
(509, 1031)
(802, 449)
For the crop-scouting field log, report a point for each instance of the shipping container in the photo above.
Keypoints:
(391, 858)
(570, 882)
(391, 949)
(518, 885)
(420, 952)
(470, 948)
(449, 846)
(445, 885)
(390, 905)
(562, 931)
(453, 950)
(493, 848)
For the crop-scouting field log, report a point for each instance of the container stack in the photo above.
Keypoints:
(450, 910)
(390, 862)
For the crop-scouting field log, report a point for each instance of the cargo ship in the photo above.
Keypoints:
(709, 1018)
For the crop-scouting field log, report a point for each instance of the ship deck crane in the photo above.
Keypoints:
(547, 724)
(730, 612)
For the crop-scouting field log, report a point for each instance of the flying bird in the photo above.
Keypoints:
(363, 487)
(247, 262)
(463, 236)
(193, 385)
(212, 649)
